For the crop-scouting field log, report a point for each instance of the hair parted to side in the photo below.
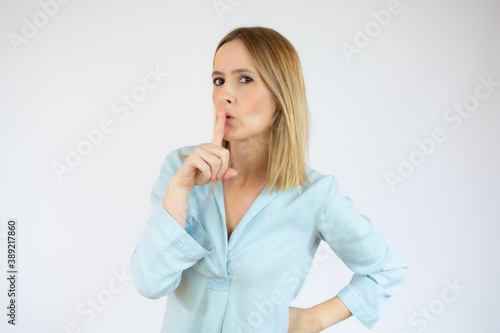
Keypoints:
(278, 64)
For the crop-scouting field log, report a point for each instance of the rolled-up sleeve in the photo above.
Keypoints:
(164, 248)
(379, 271)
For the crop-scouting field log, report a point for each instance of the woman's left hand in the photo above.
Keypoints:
(302, 320)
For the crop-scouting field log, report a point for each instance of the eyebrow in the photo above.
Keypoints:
(240, 70)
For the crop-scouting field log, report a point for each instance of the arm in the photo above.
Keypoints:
(330, 312)
(173, 240)
(318, 317)
(379, 272)
(167, 246)
(176, 201)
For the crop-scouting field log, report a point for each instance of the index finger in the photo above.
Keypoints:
(219, 129)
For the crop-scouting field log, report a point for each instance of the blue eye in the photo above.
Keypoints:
(216, 80)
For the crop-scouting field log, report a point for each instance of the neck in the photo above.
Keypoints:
(249, 158)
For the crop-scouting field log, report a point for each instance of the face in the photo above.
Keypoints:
(241, 93)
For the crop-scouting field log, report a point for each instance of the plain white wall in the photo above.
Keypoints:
(67, 73)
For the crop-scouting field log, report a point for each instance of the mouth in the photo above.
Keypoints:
(229, 118)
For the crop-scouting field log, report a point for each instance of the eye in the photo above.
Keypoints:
(218, 81)
(246, 79)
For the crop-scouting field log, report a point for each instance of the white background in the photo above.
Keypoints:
(74, 236)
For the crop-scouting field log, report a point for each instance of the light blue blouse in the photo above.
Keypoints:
(246, 284)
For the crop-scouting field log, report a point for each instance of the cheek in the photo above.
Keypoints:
(262, 102)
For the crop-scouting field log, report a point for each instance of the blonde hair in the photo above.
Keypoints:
(278, 64)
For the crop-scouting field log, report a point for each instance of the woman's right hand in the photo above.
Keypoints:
(207, 163)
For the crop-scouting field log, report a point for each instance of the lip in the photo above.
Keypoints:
(229, 118)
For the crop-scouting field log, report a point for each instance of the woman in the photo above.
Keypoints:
(236, 222)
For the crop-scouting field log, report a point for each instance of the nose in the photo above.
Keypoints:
(226, 99)
(226, 95)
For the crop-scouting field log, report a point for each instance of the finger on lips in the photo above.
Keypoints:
(217, 138)
(219, 129)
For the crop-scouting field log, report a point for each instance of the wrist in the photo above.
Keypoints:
(329, 313)
(178, 184)
(316, 320)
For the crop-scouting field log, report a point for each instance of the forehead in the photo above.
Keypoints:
(232, 55)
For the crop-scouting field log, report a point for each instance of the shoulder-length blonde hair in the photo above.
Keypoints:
(278, 63)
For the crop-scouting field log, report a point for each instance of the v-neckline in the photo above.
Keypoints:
(259, 203)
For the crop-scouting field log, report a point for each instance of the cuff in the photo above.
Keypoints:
(358, 306)
(193, 242)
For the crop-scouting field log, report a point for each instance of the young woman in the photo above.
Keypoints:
(237, 222)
